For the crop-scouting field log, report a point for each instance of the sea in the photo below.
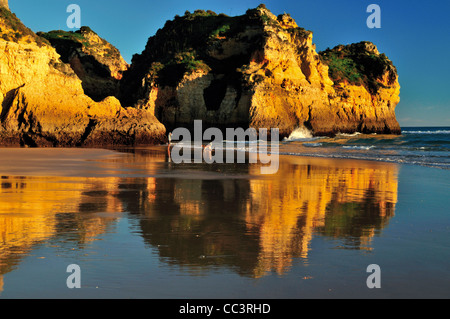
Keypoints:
(426, 146)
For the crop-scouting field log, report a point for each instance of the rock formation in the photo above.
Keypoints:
(255, 70)
(4, 3)
(96, 62)
(43, 102)
(259, 70)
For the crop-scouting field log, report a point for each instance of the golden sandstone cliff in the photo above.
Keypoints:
(97, 63)
(256, 70)
(4, 3)
(43, 102)
(259, 70)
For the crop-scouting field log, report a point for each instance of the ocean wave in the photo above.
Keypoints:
(359, 147)
(312, 144)
(300, 133)
(376, 158)
(349, 134)
(423, 149)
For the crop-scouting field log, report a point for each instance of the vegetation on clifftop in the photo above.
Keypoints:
(183, 46)
(358, 64)
(186, 43)
(95, 61)
(12, 29)
(63, 40)
(74, 36)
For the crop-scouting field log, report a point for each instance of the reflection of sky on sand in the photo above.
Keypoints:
(196, 216)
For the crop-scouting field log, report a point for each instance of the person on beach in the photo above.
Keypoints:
(208, 147)
(168, 145)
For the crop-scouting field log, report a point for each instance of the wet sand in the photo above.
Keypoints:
(140, 226)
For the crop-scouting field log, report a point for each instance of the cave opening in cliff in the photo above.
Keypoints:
(214, 94)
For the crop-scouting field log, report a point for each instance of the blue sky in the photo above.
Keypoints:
(415, 35)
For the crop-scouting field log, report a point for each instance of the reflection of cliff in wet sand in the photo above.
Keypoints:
(339, 199)
(276, 217)
(62, 208)
(36, 210)
(199, 216)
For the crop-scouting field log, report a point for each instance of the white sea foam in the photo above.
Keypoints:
(300, 133)
(359, 147)
(348, 134)
(312, 144)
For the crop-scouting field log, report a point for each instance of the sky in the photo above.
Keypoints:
(415, 35)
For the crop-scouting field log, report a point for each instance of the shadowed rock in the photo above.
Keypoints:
(96, 62)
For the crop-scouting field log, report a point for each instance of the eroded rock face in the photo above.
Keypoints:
(256, 70)
(4, 3)
(259, 70)
(96, 62)
(43, 102)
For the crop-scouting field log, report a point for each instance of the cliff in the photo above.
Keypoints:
(96, 62)
(256, 70)
(259, 70)
(43, 102)
(4, 3)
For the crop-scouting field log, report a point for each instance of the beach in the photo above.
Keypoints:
(140, 226)
(235, 151)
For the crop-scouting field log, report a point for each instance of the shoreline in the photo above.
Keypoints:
(222, 219)
(370, 160)
(416, 146)
(95, 162)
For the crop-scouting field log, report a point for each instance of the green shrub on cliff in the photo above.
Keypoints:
(299, 32)
(358, 64)
(76, 36)
(189, 61)
(182, 45)
(199, 13)
(344, 68)
(220, 31)
(171, 70)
